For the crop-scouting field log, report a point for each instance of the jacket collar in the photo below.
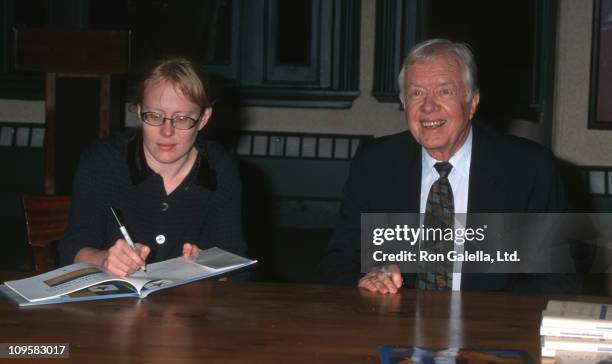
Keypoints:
(202, 172)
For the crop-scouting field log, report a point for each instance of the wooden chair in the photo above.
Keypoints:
(46, 218)
(71, 53)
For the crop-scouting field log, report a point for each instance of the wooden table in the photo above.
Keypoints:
(224, 322)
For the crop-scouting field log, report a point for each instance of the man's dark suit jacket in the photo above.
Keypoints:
(507, 174)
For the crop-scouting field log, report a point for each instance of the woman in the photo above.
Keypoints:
(176, 195)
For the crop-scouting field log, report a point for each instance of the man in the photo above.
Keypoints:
(487, 172)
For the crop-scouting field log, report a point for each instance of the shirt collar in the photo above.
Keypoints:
(459, 160)
(202, 171)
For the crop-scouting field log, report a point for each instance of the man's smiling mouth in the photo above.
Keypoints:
(433, 123)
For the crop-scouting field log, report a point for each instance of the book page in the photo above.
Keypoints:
(59, 282)
(207, 263)
(216, 258)
(167, 273)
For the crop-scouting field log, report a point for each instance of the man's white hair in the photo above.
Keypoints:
(433, 48)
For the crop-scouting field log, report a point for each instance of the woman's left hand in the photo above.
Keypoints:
(190, 250)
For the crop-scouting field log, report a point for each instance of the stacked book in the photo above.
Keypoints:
(576, 327)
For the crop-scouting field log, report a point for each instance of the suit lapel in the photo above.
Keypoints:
(485, 174)
(407, 183)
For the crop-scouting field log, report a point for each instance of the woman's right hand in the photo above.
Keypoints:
(121, 260)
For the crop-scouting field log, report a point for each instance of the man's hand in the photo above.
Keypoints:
(122, 260)
(386, 280)
(190, 250)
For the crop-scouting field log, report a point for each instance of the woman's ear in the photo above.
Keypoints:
(205, 117)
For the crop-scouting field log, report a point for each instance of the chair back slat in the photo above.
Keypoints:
(46, 219)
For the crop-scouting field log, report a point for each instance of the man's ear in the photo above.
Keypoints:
(205, 117)
(474, 103)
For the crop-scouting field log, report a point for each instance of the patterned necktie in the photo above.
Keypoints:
(439, 214)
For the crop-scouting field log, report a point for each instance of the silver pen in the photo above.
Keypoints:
(126, 235)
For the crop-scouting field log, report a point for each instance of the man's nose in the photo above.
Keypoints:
(429, 104)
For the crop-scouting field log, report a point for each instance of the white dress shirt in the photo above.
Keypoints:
(459, 178)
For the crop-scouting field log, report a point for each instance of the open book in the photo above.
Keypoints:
(83, 281)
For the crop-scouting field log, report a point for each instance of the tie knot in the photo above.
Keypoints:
(443, 168)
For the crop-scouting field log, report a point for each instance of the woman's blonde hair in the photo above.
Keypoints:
(186, 76)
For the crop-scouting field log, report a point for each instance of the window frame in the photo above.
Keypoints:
(331, 81)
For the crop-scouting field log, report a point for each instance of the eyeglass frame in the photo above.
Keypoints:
(195, 121)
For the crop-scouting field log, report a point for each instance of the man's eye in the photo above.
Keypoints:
(153, 116)
(446, 92)
(417, 93)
